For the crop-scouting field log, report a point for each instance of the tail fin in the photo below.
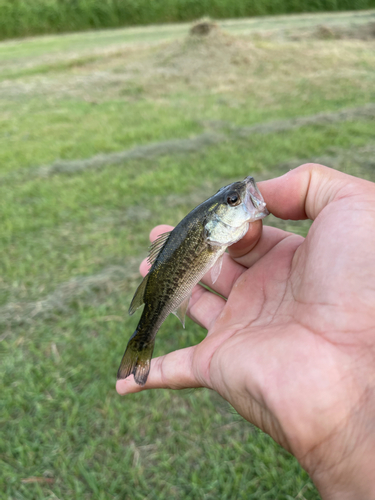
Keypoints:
(136, 359)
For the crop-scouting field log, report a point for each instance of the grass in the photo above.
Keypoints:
(25, 18)
(71, 240)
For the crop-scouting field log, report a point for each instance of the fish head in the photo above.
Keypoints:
(233, 207)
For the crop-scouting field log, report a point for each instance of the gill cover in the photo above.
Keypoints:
(230, 223)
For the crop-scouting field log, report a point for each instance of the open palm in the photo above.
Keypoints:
(292, 344)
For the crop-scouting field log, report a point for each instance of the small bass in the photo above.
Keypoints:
(180, 258)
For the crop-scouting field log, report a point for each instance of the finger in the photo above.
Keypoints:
(248, 242)
(205, 307)
(262, 286)
(236, 250)
(144, 267)
(229, 274)
(304, 192)
(158, 230)
(271, 237)
(233, 268)
(172, 371)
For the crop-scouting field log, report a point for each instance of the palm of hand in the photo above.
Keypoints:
(292, 346)
(296, 325)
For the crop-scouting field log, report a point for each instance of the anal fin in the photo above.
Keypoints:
(181, 310)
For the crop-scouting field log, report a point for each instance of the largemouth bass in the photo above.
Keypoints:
(180, 258)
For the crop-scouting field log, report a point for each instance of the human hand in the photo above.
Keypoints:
(293, 346)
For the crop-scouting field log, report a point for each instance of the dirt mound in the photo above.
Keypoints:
(360, 32)
(206, 55)
(202, 28)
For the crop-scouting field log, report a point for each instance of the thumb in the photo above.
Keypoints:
(303, 192)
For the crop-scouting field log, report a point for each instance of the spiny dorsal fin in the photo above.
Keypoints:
(156, 246)
(138, 296)
(181, 310)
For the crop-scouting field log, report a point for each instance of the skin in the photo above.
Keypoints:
(293, 347)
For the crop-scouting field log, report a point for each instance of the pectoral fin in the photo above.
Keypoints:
(181, 311)
(216, 269)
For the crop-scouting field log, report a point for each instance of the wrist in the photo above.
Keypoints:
(354, 481)
(343, 468)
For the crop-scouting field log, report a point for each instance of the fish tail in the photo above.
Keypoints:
(137, 359)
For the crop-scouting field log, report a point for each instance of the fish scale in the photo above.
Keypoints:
(180, 259)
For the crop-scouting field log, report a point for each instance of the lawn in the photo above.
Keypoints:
(102, 136)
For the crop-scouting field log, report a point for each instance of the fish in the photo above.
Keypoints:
(180, 258)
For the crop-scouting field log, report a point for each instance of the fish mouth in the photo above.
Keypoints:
(254, 203)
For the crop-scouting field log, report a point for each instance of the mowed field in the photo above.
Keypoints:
(102, 136)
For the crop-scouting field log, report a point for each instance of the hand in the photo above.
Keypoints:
(293, 346)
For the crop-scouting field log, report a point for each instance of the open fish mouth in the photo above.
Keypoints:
(254, 203)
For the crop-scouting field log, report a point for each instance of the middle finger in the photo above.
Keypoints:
(233, 267)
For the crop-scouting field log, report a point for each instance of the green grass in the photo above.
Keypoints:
(60, 346)
(25, 18)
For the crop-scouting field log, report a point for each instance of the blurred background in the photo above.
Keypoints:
(106, 133)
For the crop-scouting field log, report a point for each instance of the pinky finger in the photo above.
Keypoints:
(172, 371)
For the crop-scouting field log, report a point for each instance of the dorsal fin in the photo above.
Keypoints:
(156, 246)
(138, 296)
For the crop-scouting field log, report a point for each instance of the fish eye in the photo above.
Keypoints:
(233, 200)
